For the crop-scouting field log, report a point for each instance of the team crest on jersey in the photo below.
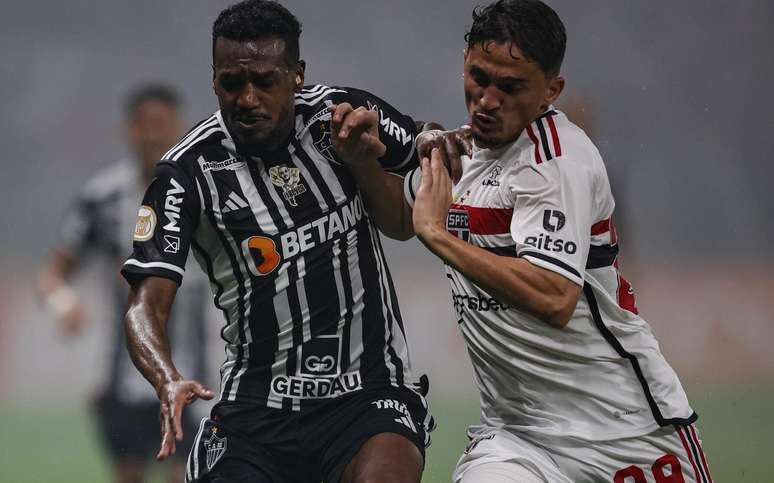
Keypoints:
(215, 448)
(321, 139)
(289, 179)
(146, 224)
(457, 224)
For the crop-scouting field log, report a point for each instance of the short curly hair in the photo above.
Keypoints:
(259, 19)
(531, 25)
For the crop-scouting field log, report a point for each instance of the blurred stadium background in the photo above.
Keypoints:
(676, 94)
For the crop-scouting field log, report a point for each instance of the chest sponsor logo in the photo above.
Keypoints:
(316, 388)
(553, 220)
(230, 163)
(146, 224)
(476, 303)
(491, 179)
(457, 223)
(172, 204)
(289, 180)
(320, 356)
(267, 254)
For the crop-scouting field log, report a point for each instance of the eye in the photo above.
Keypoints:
(479, 77)
(230, 83)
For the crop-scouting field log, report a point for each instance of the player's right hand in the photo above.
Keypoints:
(451, 145)
(174, 396)
(72, 320)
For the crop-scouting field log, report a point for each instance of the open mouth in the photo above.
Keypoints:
(249, 122)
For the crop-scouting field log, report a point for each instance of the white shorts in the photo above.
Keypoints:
(671, 454)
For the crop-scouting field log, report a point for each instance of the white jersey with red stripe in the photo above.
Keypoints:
(546, 198)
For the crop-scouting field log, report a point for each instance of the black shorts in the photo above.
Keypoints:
(130, 432)
(277, 446)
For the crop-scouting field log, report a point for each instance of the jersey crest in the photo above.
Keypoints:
(289, 179)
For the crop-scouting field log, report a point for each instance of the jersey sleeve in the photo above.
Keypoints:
(396, 130)
(166, 223)
(78, 228)
(552, 216)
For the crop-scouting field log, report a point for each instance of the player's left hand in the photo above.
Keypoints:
(434, 197)
(174, 396)
(355, 133)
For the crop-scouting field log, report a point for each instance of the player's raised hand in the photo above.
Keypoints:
(452, 145)
(434, 196)
(355, 133)
(174, 396)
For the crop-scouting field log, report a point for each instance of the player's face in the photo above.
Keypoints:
(153, 128)
(504, 92)
(255, 89)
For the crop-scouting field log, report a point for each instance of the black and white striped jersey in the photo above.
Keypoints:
(99, 223)
(295, 264)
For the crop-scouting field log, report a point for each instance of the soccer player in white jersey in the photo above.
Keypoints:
(573, 385)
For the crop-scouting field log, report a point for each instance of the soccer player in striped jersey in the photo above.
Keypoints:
(317, 383)
(98, 224)
(573, 385)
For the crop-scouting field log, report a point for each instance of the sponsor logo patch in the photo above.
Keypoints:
(491, 180)
(320, 356)
(553, 220)
(315, 388)
(171, 244)
(289, 179)
(395, 405)
(230, 163)
(146, 224)
(545, 242)
(263, 252)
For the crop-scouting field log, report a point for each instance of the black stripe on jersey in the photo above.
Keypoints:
(551, 260)
(372, 363)
(346, 281)
(211, 275)
(601, 256)
(611, 339)
(393, 311)
(193, 136)
(232, 257)
(543, 139)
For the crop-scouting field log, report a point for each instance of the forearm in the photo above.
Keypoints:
(513, 281)
(147, 341)
(383, 196)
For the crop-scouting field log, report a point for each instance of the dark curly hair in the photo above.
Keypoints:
(152, 91)
(531, 25)
(259, 19)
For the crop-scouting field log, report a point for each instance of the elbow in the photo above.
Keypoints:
(558, 311)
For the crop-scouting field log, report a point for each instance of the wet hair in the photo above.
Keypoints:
(151, 92)
(531, 25)
(256, 20)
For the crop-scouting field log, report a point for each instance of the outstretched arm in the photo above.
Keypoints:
(514, 281)
(145, 324)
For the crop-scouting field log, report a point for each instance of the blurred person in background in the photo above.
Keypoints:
(573, 386)
(100, 223)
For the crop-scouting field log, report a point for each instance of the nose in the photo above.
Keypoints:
(248, 97)
(490, 101)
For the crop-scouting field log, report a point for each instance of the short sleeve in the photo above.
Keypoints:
(396, 130)
(552, 216)
(77, 230)
(166, 223)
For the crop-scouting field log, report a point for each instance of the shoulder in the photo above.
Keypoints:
(203, 136)
(111, 181)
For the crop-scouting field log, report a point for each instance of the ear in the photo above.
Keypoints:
(300, 73)
(553, 90)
